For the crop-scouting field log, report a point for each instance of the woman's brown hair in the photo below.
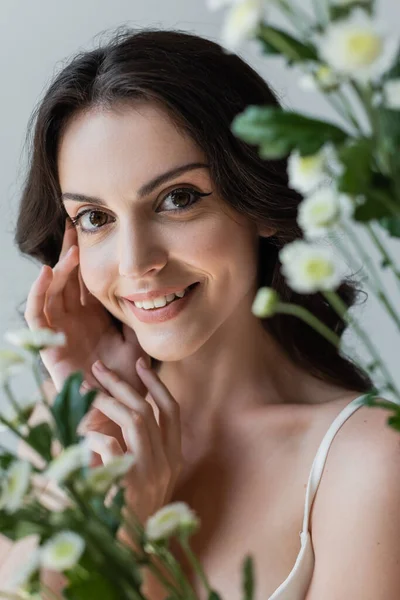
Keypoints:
(204, 88)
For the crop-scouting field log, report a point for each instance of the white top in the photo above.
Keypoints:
(298, 581)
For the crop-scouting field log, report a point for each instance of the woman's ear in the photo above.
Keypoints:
(266, 231)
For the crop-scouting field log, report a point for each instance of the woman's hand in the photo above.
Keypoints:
(156, 446)
(59, 300)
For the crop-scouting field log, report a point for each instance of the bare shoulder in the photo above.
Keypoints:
(356, 510)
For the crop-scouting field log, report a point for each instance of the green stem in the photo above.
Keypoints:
(304, 314)
(379, 290)
(18, 410)
(175, 569)
(195, 562)
(36, 374)
(384, 252)
(296, 16)
(349, 111)
(342, 310)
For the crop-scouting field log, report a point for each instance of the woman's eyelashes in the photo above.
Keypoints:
(178, 195)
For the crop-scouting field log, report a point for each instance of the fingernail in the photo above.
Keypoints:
(142, 363)
(100, 366)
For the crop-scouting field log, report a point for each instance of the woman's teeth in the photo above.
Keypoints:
(160, 301)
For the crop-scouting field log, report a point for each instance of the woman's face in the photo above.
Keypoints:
(138, 241)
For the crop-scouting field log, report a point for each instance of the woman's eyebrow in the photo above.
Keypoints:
(145, 190)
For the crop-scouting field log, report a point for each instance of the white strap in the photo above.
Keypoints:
(322, 453)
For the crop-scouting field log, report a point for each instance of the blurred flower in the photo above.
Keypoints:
(322, 77)
(100, 479)
(265, 302)
(62, 551)
(241, 22)
(391, 94)
(70, 460)
(36, 339)
(310, 268)
(14, 485)
(26, 568)
(170, 520)
(357, 48)
(323, 211)
(10, 363)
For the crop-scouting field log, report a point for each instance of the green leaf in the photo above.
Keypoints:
(214, 596)
(248, 578)
(70, 407)
(356, 159)
(338, 12)
(6, 459)
(108, 518)
(276, 41)
(392, 225)
(40, 438)
(278, 132)
(96, 586)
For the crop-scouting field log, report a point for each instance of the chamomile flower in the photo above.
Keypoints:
(391, 94)
(62, 551)
(11, 363)
(169, 520)
(324, 210)
(34, 340)
(310, 268)
(70, 460)
(14, 485)
(26, 568)
(241, 22)
(357, 47)
(322, 77)
(100, 479)
(265, 302)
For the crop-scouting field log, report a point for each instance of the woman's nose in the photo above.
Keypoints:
(140, 252)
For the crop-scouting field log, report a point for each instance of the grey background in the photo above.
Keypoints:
(37, 38)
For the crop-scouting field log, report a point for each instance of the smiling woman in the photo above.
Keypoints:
(174, 224)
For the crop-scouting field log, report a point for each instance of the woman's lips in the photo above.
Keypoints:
(159, 315)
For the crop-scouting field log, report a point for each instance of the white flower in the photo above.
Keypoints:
(170, 520)
(70, 460)
(356, 47)
(265, 302)
(26, 568)
(324, 210)
(10, 363)
(62, 551)
(100, 479)
(310, 268)
(322, 77)
(241, 22)
(36, 339)
(14, 485)
(308, 172)
(391, 94)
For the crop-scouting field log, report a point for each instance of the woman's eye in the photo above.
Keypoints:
(80, 223)
(180, 199)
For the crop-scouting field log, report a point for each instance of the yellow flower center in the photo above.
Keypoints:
(308, 164)
(318, 268)
(364, 47)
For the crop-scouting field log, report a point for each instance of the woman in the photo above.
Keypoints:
(135, 168)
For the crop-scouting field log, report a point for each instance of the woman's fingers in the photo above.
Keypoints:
(34, 311)
(133, 428)
(106, 446)
(55, 303)
(169, 413)
(142, 412)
